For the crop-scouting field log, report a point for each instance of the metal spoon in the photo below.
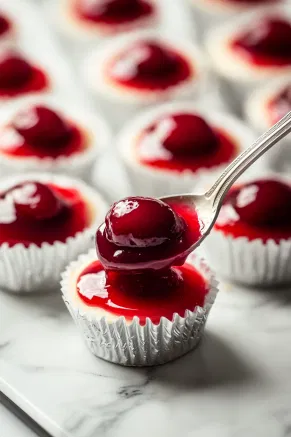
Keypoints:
(208, 205)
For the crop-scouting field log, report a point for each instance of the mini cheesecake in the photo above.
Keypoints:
(251, 49)
(177, 147)
(42, 133)
(131, 72)
(91, 20)
(45, 222)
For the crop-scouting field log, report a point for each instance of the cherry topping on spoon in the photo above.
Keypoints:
(269, 37)
(186, 134)
(40, 126)
(262, 203)
(35, 201)
(142, 222)
(4, 25)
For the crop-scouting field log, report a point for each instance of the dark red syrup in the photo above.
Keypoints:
(17, 76)
(184, 142)
(259, 209)
(5, 25)
(139, 246)
(38, 131)
(266, 43)
(280, 105)
(149, 65)
(33, 212)
(113, 12)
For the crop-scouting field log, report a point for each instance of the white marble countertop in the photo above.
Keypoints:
(11, 426)
(236, 383)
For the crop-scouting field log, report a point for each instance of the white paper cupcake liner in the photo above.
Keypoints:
(132, 344)
(250, 262)
(84, 33)
(77, 165)
(120, 104)
(148, 181)
(239, 78)
(37, 269)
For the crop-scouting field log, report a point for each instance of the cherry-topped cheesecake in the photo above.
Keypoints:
(254, 47)
(169, 149)
(18, 76)
(100, 18)
(253, 231)
(141, 272)
(140, 68)
(40, 133)
(45, 221)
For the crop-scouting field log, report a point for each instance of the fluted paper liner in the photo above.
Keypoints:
(249, 262)
(33, 268)
(78, 164)
(128, 342)
(148, 181)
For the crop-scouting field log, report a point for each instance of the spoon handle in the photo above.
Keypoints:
(247, 158)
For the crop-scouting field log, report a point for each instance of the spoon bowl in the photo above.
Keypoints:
(207, 205)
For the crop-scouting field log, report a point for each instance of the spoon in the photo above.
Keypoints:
(207, 206)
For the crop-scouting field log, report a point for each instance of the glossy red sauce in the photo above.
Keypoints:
(280, 105)
(40, 132)
(260, 209)
(48, 214)
(149, 65)
(184, 142)
(266, 43)
(113, 12)
(148, 295)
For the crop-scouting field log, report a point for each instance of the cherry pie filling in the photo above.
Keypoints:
(36, 213)
(5, 26)
(266, 43)
(149, 66)
(257, 210)
(280, 105)
(142, 247)
(38, 131)
(184, 141)
(18, 76)
(112, 12)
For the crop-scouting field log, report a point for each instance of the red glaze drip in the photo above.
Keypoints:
(259, 209)
(267, 43)
(184, 142)
(113, 12)
(17, 76)
(148, 65)
(152, 295)
(143, 233)
(4, 25)
(280, 105)
(40, 132)
(33, 212)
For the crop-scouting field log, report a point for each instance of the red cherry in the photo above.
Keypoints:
(4, 25)
(266, 202)
(99, 8)
(187, 134)
(40, 126)
(14, 70)
(142, 222)
(34, 200)
(271, 36)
